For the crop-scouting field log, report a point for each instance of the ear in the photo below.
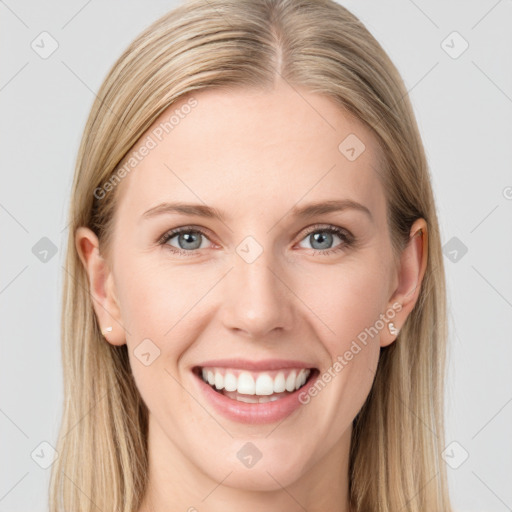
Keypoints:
(101, 285)
(413, 263)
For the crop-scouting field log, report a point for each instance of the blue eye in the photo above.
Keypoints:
(189, 239)
(324, 239)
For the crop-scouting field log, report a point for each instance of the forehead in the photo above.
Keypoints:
(246, 148)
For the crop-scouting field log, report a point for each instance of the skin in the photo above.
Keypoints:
(255, 155)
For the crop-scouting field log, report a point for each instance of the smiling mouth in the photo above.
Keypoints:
(255, 387)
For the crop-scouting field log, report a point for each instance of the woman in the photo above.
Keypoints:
(254, 298)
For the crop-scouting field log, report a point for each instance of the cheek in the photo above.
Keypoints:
(165, 308)
(168, 303)
(346, 301)
(157, 310)
(155, 298)
(347, 311)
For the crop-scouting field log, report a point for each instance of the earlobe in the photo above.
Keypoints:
(101, 286)
(413, 263)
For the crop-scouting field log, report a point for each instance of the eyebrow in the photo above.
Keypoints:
(303, 212)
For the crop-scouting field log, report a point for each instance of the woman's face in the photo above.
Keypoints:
(263, 285)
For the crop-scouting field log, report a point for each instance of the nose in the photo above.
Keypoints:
(257, 298)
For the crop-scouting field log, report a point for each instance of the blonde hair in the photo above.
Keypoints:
(319, 45)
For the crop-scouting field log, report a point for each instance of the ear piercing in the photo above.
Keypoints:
(106, 330)
(392, 329)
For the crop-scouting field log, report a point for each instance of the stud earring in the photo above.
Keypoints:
(106, 330)
(392, 329)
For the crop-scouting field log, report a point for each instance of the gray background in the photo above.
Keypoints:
(464, 108)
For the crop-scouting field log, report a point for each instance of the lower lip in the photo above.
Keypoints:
(255, 414)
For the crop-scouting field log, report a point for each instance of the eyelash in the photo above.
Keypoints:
(347, 239)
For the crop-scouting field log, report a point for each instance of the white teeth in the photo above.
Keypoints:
(261, 384)
(264, 385)
(247, 399)
(219, 380)
(290, 381)
(301, 378)
(279, 383)
(246, 384)
(230, 382)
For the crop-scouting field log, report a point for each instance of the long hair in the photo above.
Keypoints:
(398, 435)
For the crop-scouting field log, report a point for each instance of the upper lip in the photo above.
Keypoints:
(255, 366)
